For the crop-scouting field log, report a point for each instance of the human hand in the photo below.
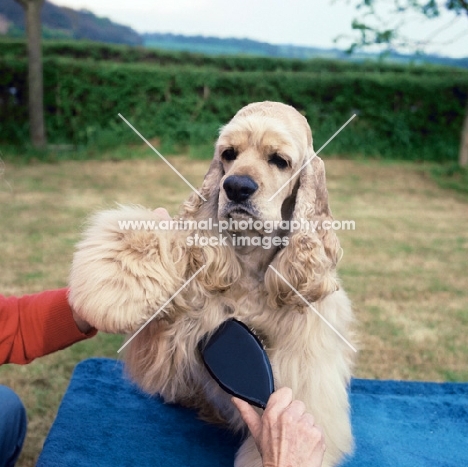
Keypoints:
(162, 214)
(82, 325)
(285, 435)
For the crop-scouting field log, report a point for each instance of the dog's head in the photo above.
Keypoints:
(264, 168)
(261, 150)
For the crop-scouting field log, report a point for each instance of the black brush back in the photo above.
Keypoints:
(236, 359)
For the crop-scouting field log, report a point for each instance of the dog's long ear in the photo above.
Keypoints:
(206, 205)
(323, 213)
(221, 265)
(309, 260)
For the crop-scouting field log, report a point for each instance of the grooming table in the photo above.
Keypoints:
(105, 420)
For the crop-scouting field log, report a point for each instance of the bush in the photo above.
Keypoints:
(400, 115)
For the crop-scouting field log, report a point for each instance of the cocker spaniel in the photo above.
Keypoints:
(266, 174)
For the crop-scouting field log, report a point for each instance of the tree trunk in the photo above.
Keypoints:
(463, 157)
(32, 10)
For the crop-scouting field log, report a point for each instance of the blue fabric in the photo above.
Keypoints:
(13, 424)
(411, 424)
(105, 420)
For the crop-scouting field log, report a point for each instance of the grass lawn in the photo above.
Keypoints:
(404, 266)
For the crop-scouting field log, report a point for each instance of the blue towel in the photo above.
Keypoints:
(104, 420)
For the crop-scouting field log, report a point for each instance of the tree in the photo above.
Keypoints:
(32, 10)
(388, 32)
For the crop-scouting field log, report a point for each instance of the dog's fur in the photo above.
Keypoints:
(120, 278)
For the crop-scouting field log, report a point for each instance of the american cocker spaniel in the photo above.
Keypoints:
(262, 271)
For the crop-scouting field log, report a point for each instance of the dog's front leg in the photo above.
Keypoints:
(125, 268)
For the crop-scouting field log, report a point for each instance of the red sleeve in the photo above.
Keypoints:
(36, 325)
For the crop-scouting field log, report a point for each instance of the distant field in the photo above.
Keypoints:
(252, 48)
(404, 266)
(210, 49)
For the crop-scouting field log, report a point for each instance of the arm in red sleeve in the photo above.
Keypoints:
(36, 325)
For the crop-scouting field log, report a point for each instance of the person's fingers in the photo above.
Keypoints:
(293, 412)
(279, 401)
(310, 420)
(317, 438)
(250, 417)
(162, 213)
(312, 431)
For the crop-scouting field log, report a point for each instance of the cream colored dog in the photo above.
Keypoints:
(121, 277)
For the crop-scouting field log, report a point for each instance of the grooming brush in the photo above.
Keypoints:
(237, 360)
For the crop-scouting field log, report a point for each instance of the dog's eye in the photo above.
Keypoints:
(229, 154)
(277, 160)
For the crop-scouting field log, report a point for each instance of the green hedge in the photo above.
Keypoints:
(399, 115)
(95, 51)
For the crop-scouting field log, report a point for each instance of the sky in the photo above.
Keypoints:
(314, 23)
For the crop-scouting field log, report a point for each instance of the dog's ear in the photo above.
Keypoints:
(221, 266)
(204, 204)
(322, 212)
(309, 260)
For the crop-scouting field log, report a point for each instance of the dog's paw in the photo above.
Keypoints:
(124, 269)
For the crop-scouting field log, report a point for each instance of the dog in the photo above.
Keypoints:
(277, 280)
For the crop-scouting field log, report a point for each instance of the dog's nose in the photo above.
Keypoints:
(239, 188)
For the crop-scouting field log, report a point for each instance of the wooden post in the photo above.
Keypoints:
(32, 9)
(463, 157)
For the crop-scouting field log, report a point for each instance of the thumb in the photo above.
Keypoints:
(161, 212)
(250, 417)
